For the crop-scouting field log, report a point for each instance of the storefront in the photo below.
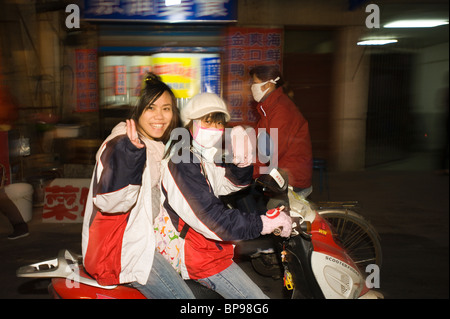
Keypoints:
(195, 47)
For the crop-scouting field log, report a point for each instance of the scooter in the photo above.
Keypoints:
(313, 260)
(69, 280)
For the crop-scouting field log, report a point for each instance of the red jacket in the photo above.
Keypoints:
(293, 144)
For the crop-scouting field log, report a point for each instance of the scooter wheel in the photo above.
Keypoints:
(357, 236)
(267, 265)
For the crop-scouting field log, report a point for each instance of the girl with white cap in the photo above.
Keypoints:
(191, 189)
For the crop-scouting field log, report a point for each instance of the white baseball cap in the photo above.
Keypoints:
(203, 104)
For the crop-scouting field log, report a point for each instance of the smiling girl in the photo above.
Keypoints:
(118, 241)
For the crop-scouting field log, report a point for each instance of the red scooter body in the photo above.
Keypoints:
(70, 281)
(324, 241)
(59, 289)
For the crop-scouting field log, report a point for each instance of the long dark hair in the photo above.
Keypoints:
(152, 90)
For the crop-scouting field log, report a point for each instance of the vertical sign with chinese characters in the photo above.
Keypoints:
(120, 80)
(210, 75)
(246, 48)
(86, 80)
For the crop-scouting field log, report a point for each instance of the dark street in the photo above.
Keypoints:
(408, 207)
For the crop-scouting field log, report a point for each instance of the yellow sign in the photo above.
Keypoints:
(182, 74)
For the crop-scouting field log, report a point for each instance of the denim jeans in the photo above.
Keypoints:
(164, 282)
(233, 283)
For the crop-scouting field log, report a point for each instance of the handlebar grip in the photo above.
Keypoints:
(277, 231)
(273, 213)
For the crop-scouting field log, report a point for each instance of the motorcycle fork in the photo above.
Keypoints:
(297, 261)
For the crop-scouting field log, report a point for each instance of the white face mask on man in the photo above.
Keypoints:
(256, 89)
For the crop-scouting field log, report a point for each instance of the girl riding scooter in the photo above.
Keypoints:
(191, 187)
(118, 242)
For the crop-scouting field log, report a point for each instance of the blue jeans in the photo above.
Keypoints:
(233, 283)
(164, 282)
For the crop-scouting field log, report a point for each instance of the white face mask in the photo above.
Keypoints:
(257, 93)
(207, 137)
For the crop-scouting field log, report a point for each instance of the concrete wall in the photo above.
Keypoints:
(430, 89)
(303, 12)
(351, 81)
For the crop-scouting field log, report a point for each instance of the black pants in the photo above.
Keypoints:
(10, 210)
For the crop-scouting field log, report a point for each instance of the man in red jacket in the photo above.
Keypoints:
(293, 142)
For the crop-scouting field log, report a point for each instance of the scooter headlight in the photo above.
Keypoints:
(339, 281)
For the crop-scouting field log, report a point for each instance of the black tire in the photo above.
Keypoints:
(357, 236)
(267, 265)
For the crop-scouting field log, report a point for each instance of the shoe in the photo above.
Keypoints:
(19, 232)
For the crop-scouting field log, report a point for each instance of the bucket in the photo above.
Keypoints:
(21, 195)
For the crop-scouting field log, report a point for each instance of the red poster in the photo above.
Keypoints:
(138, 75)
(86, 80)
(120, 80)
(245, 48)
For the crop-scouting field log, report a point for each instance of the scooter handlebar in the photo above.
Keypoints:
(274, 213)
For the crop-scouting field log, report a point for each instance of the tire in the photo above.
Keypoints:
(356, 235)
(267, 265)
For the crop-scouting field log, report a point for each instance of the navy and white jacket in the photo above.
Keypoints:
(190, 195)
(118, 241)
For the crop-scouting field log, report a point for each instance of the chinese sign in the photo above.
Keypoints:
(180, 73)
(120, 79)
(86, 80)
(211, 75)
(65, 200)
(162, 10)
(187, 74)
(246, 48)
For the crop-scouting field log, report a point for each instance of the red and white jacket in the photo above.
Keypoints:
(118, 241)
(190, 195)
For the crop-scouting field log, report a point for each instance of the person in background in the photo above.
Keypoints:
(191, 187)
(118, 241)
(277, 110)
(8, 115)
(10, 210)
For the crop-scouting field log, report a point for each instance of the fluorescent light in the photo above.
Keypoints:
(377, 42)
(415, 23)
(172, 2)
